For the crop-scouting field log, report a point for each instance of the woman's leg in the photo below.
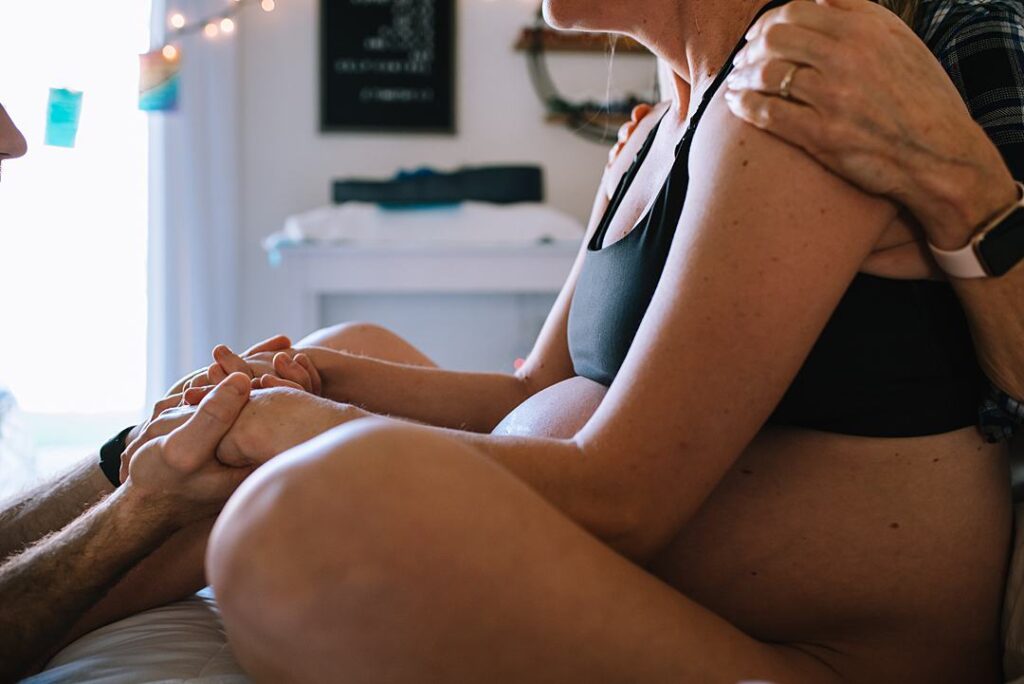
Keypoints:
(367, 339)
(388, 553)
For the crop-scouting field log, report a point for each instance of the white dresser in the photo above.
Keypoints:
(471, 307)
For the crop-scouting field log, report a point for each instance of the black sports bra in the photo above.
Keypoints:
(896, 358)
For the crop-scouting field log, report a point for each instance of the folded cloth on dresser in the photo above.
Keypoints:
(469, 223)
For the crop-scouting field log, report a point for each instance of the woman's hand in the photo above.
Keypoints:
(272, 358)
(274, 421)
(265, 367)
(200, 378)
(870, 102)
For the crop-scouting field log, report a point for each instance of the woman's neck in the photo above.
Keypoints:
(696, 42)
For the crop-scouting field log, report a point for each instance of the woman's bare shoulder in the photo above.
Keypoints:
(776, 182)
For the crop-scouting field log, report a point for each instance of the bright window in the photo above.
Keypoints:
(73, 221)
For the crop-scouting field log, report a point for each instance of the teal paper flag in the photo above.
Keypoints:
(62, 115)
(158, 80)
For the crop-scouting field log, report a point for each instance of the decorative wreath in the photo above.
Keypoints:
(592, 120)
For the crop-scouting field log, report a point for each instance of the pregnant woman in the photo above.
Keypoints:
(743, 447)
(748, 452)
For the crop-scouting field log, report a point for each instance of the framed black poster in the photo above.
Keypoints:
(387, 65)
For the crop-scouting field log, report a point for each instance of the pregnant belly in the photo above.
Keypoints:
(821, 537)
(559, 411)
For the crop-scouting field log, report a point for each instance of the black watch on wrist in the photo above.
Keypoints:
(1002, 248)
(993, 251)
(110, 456)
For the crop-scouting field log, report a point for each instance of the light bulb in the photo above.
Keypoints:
(268, 5)
(227, 25)
(211, 30)
(170, 53)
(178, 20)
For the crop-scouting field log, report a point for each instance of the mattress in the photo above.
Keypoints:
(181, 642)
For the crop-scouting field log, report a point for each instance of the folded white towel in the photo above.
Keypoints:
(470, 223)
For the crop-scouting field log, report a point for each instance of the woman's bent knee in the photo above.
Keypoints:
(342, 333)
(368, 339)
(357, 494)
(337, 532)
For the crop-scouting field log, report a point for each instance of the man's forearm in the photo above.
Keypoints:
(971, 194)
(995, 309)
(474, 402)
(51, 506)
(46, 588)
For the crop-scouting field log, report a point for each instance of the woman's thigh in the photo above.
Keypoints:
(367, 339)
(394, 553)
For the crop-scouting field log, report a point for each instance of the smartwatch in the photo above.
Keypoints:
(110, 456)
(993, 251)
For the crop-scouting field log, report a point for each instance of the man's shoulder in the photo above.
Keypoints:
(943, 24)
(980, 44)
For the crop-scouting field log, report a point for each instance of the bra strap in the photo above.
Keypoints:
(723, 73)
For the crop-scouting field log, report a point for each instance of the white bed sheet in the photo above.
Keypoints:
(181, 642)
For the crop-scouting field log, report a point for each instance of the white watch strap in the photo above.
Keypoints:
(964, 262)
(959, 263)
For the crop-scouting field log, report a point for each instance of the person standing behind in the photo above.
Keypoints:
(883, 106)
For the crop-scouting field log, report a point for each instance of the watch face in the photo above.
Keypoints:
(1003, 246)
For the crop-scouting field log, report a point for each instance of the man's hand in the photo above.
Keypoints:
(870, 102)
(178, 470)
(276, 420)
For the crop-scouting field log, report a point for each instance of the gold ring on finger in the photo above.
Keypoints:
(787, 82)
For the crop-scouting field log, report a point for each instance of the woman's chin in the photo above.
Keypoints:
(561, 14)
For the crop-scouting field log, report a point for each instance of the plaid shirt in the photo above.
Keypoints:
(980, 43)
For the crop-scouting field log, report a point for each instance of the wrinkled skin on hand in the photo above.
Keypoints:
(870, 102)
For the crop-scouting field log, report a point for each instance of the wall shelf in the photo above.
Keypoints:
(563, 41)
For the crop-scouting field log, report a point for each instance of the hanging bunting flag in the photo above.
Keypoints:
(158, 80)
(62, 115)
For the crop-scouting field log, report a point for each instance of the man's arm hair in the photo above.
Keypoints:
(46, 588)
(50, 506)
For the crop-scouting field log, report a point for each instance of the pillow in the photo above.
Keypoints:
(181, 642)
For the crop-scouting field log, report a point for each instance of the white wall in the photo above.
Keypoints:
(287, 166)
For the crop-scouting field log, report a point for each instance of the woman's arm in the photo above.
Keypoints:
(474, 402)
(874, 104)
(747, 289)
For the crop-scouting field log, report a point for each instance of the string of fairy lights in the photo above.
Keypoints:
(211, 26)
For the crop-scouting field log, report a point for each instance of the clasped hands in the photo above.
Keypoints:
(279, 409)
